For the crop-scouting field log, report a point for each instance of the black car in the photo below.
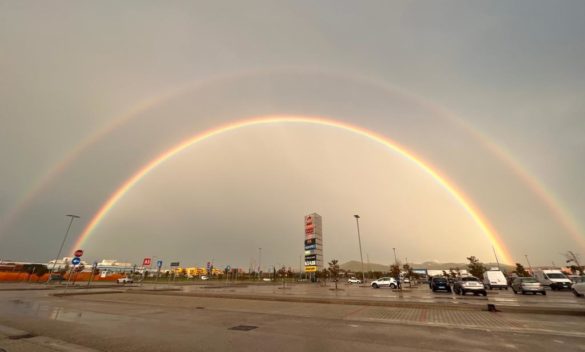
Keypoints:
(439, 283)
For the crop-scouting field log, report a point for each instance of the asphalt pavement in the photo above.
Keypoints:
(135, 318)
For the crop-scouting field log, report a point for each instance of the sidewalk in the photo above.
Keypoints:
(14, 340)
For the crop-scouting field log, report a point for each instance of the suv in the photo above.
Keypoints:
(354, 280)
(385, 281)
(469, 284)
(439, 283)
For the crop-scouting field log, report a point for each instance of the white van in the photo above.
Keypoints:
(494, 278)
(553, 278)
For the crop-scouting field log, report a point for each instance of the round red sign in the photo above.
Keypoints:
(78, 253)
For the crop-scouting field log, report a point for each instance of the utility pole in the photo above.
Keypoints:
(495, 255)
(357, 220)
(73, 217)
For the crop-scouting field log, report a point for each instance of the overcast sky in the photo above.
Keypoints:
(444, 79)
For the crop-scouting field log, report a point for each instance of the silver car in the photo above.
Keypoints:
(527, 284)
(579, 289)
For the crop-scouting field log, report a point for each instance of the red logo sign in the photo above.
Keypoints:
(78, 253)
(146, 261)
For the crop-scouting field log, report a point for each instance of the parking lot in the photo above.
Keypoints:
(213, 316)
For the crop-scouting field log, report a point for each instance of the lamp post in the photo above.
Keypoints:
(357, 221)
(73, 217)
(259, 262)
(395, 260)
(530, 266)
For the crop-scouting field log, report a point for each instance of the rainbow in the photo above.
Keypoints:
(467, 205)
(559, 211)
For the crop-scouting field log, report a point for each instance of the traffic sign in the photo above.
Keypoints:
(159, 264)
(79, 253)
(175, 264)
(76, 261)
(228, 267)
(146, 262)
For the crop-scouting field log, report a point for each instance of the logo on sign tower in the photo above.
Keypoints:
(313, 243)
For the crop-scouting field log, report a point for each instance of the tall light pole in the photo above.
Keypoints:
(259, 261)
(530, 266)
(395, 260)
(73, 217)
(357, 221)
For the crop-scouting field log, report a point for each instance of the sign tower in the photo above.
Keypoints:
(313, 243)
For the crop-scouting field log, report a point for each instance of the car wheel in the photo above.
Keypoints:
(543, 293)
(392, 286)
(375, 286)
(506, 288)
(577, 294)
(515, 292)
(523, 292)
(484, 294)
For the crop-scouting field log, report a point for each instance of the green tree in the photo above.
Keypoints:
(334, 271)
(475, 267)
(520, 271)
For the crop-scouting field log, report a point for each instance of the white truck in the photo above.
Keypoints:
(553, 278)
(494, 278)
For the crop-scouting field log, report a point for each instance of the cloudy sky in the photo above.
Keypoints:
(491, 95)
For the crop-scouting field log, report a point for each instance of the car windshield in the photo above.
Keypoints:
(470, 278)
(556, 276)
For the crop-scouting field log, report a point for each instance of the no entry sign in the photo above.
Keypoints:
(79, 253)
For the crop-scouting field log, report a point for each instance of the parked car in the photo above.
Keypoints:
(469, 284)
(579, 289)
(527, 284)
(494, 278)
(385, 281)
(125, 280)
(354, 280)
(439, 283)
(555, 279)
(203, 277)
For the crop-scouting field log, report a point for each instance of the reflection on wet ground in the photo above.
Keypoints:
(414, 294)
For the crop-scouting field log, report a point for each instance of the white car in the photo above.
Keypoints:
(203, 277)
(579, 289)
(354, 280)
(125, 280)
(385, 281)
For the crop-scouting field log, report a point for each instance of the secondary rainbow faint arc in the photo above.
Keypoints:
(160, 159)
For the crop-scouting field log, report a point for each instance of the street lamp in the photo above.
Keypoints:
(530, 266)
(73, 217)
(357, 221)
(259, 261)
(395, 260)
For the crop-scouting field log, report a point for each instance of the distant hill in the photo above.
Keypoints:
(354, 265)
